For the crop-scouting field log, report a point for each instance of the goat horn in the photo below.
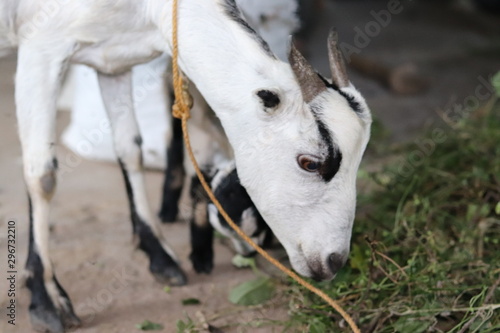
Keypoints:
(337, 66)
(309, 82)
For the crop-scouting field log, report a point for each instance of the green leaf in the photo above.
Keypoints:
(252, 292)
(167, 289)
(191, 301)
(317, 326)
(147, 325)
(485, 210)
(495, 81)
(243, 262)
(471, 211)
(358, 259)
(497, 208)
(185, 327)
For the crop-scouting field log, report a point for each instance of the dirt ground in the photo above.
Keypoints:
(95, 260)
(92, 250)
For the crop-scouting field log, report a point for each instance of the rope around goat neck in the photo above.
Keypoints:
(180, 110)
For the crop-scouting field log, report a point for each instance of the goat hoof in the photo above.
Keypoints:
(173, 276)
(71, 321)
(45, 316)
(48, 320)
(202, 262)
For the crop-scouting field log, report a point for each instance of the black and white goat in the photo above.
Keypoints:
(232, 195)
(298, 138)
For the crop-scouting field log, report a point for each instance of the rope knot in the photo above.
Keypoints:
(183, 100)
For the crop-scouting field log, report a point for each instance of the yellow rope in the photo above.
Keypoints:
(180, 110)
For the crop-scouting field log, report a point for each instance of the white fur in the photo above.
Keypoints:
(311, 218)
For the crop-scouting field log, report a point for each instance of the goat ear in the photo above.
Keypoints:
(309, 81)
(337, 65)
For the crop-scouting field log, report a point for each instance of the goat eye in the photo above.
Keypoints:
(309, 164)
(269, 99)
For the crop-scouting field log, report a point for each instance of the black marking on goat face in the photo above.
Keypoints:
(269, 99)
(355, 106)
(331, 165)
(234, 13)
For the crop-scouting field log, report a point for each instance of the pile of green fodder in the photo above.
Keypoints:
(426, 243)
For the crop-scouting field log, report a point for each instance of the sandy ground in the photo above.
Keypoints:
(91, 233)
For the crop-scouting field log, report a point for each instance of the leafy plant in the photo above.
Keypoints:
(425, 252)
(426, 245)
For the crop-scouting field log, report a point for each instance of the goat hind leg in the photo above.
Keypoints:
(116, 91)
(37, 84)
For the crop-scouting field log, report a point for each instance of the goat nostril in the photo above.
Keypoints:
(335, 262)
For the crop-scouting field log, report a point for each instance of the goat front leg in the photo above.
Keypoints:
(38, 79)
(116, 91)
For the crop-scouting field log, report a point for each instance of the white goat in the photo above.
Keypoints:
(275, 21)
(298, 139)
